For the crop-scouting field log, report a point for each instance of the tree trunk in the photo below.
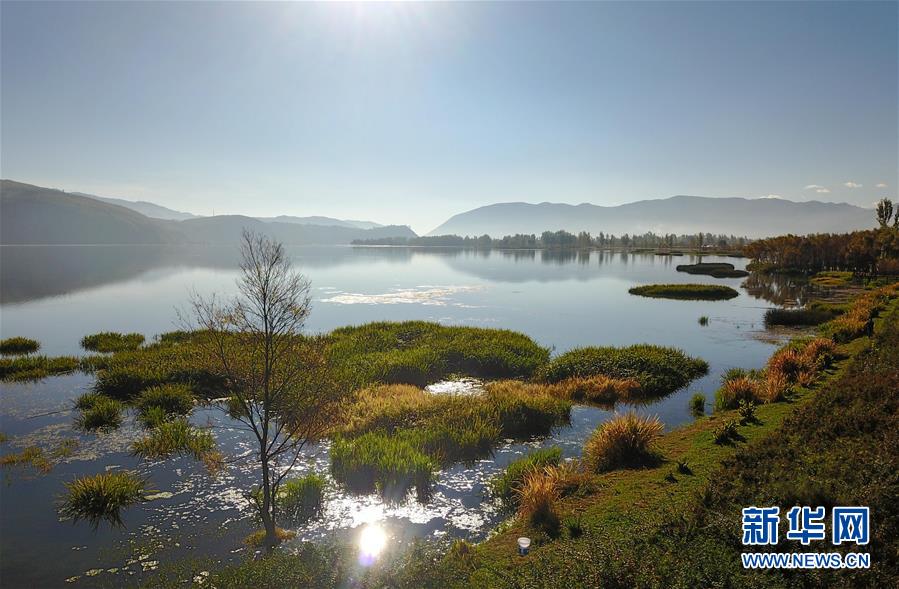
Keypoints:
(271, 538)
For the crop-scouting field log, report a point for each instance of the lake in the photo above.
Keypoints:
(561, 299)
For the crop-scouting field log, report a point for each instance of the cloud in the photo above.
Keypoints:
(851, 184)
(881, 185)
(817, 188)
(771, 196)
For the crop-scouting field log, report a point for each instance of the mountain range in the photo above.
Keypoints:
(761, 217)
(35, 215)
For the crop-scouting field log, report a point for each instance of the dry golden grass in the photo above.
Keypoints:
(625, 440)
(744, 388)
(537, 497)
(597, 389)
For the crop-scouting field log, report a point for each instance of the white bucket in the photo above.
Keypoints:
(524, 544)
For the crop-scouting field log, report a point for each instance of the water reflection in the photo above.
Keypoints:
(782, 290)
(372, 541)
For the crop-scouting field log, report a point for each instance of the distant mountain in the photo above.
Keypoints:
(148, 209)
(324, 221)
(35, 215)
(679, 214)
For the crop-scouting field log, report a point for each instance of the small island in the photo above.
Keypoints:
(698, 292)
(713, 269)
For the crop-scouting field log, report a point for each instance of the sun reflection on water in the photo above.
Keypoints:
(372, 542)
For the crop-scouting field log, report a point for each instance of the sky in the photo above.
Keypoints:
(409, 113)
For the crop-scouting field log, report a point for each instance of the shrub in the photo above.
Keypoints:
(623, 441)
(102, 497)
(16, 346)
(110, 341)
(659, 370)
(301, 499)
(505, 485)
(103, 413)
(699, 292)
(697, 404)
(747, 412)
(175, 438)
(173, 399)
(725, 432)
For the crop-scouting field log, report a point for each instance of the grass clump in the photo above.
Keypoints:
(111, 341)
(102, 497)
(33, 456)
(726, 432)
(697, 404)
(537, 497)
(626, 440)
(99, 413)
(175, 438)
(704, 321)
(697, 292)
(659, 370)
(505, 485)
(796, 317)
(301, 499)
(735, 390)
(597, 388)
(17, 346)
(173, 399)
(257, 538)
(391, 465)
(26, 368)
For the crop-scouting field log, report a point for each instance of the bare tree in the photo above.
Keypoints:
(281, 387)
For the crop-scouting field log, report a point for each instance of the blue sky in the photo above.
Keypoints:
(409, 113)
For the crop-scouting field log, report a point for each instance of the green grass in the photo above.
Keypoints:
(659, 370)
(389, 464)
(17, 346)
(698, 292)
(301, 499)
(27, 368)
(175, 438)
(704, 320)
(504, 485)
(624, 441)
(111, 341)
(100, 413)
(697, 404)
(102, 497)
(173, 399)
(419, 352)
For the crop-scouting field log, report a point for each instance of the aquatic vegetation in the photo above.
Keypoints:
(173, 399)
(25, 368)
(697, 404)
(102, 413)
(833, 278)
(504, 485)
(796, 317)
(596, 388)
(703, 320)
(102, 496)
(152, 416)
(626, 440)
(88, 400)
(175, 438)
(713, 269)
(698, 292)
(302, 498)
(659, 370)
(111, 341)
(419, 352)
(389, 464)
(17, 346)
(33, 456)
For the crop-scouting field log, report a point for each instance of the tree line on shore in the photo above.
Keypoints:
(873, 251)
(566, 240)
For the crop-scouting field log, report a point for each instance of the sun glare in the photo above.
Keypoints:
(372, 542)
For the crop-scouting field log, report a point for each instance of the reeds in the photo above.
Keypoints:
(99, 413)
(173, 399)
(102, 497)
(25, 368)
(175, 438)
(598, 389)
(796, 317)
(390, 465)
(626, 440)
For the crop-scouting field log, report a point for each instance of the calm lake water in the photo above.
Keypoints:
(562, 300)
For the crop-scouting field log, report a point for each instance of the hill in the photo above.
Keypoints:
(323, 221)
(678, 214)
(34, 215)
(147, 209)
